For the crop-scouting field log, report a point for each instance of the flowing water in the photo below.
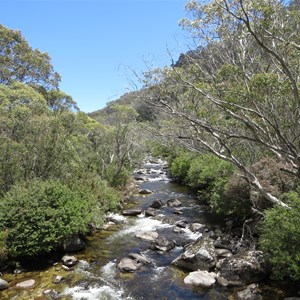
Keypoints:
(159, 279)
(97, 277)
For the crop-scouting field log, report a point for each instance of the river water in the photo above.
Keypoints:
(96, 275)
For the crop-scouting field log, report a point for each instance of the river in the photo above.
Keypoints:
(96, 276)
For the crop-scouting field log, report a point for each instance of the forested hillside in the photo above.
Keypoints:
(60, 170)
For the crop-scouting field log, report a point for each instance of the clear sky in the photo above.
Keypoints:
(95, 43)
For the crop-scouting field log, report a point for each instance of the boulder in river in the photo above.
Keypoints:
(201, 278)
(243, 268)
(147, 235)
(132, 212)
(197, 227)
(128, 265)
(3, 284)
(156, 204)
(145, 192)
(69, 261)
(174, 203)
(199, 255)
(139, 258)
(162, 244)
(150, 212)
(182, 224)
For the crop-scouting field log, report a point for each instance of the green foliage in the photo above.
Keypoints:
(181, 165)
(3, 245)
(280, 237)
(209, 175)
(215, 181)
(107, 198)
(38, 215)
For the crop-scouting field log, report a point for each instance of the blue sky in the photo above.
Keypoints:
(95, 43)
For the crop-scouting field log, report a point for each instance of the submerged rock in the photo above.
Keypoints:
(26, 284)
(58, 279)
(201, 278)
(199, 255)
(243, 268)
(3, 284)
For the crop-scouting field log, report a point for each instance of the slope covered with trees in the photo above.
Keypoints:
(235, 102)
(60, 170)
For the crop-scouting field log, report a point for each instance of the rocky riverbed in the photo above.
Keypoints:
(163, 245)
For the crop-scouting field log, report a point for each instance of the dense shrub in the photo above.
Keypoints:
(3, 246)
(280, 237)
(209, 175)
(106, 197)
(180, 166)
(38, 215)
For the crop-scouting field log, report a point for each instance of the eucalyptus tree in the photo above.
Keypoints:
(237, 95)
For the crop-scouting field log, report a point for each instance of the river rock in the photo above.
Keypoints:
(199, 255)
(3, 284)
(150, 212)
(139, 258)
(69, 261)
(197, 227)
(200, 278)
(73, 244)
(156, 204)
(58, 279)
(250, 293)
(224, 242)
(128, 265)
(26, 284)
(116, 219)
(132, 212)
(145, 192)
(162, 244)
(147, 235)
(174, 203)
(223, 253)
(182, 224)
(243, 268)
(177, 211)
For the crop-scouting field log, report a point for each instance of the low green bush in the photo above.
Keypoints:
(180, 166)
(209, 175)
(38, 215)
(280, 237)
(106, 197)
